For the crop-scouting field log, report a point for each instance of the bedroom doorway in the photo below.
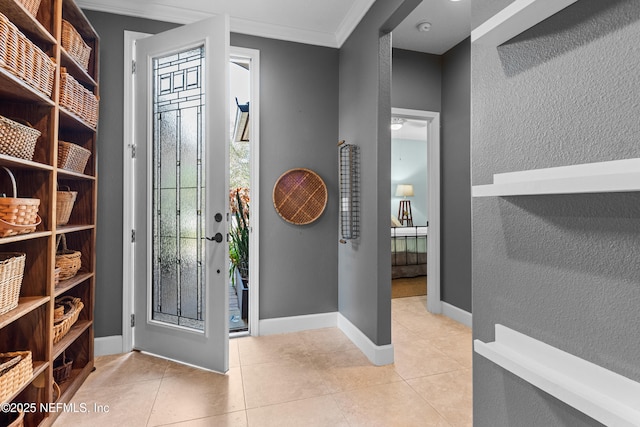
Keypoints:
(415, 205)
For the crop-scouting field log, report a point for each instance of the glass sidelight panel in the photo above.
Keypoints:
(178, 189)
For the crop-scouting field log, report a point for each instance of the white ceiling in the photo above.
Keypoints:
(318, 22)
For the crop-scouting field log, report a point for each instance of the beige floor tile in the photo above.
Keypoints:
(400, 333)
(128, 405)
(315, 412)
(189, 393)
(126, 368)
(388, 405)
(450, 394)
(326, 340)
(282, 381)
(347, 370)
(457, 346)
(270, 348)
(421, 358)
(233, 419)
(234, 355)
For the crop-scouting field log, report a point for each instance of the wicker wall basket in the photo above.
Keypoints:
(11, 273)
(72, 156)
(17, 139)
(72, 308)
(67, 260)
(75, 46)
(18, 215)
(300, 196)
(64, 205)
(16, 369)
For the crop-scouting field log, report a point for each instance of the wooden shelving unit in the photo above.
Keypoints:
(30, 325)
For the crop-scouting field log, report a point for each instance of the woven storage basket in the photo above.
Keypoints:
(61, 327)
(17, 215)
(11, 273)
(12, 419)
(32, 6)
(64, 205)
(18, 370)
(72, 156)
(78, 99)
(17, 139)
(300, 196)
(62, 368)
(75, 46)
(67, 260)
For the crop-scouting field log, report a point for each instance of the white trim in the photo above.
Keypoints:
(516, 18)
(457, 314)
(285, 325)
(253, 56)
(605, 396)
(434, 304)
(377, 354)
(127, 191)
(104, 346)
(182, 15)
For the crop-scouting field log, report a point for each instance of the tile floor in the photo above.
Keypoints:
(311, 378)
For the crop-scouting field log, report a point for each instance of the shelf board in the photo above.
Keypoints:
(23, 237)
(24, 21)
(68, 284)
(75, 69)
(73, 228)
(25, 306)
(603, 395)
(67, 174)
(516, 18)
(76, 330)
(73, 121)
(616, 176)
(13, 88)
(15, 162)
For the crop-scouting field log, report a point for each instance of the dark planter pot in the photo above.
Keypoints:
(243, 298)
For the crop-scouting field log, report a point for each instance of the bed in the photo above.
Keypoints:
(408, 251)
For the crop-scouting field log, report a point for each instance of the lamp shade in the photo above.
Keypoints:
(404, 190)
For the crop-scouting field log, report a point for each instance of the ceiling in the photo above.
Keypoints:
(319, 22)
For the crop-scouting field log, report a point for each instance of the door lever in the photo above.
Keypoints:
(218, 238)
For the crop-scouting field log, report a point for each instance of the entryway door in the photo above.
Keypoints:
(181, 203)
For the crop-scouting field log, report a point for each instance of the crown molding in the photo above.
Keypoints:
(179, 15)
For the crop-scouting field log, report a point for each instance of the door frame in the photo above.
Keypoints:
(128, 261)
(434, 302)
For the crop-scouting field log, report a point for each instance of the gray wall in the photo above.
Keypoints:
(364, 271)
(299, 128)
(562, 269)
(416, 80)
(455, 210)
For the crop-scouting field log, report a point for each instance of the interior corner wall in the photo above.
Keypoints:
(364, 269)
(562, 269)
(299, 128)
(455, 163)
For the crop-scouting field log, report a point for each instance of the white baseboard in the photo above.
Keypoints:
(283, 325)
(103, 346)
(457, 314)
(378, 354)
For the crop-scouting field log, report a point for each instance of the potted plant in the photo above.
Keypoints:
(239, 245)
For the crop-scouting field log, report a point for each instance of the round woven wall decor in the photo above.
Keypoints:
(300, 196)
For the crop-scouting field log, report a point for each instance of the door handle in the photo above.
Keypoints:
(218, 238)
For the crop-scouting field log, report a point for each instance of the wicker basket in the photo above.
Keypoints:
(12, 419)
(24, 59)
(11, 273)
(61, 327)
(300, 196)
(64, 205)
(78, 99)
(18, 215)
(32, 6)
(17, 371)
(75, 46)
(17, 139)
(62, 368)
(72, 156)
(67, 260)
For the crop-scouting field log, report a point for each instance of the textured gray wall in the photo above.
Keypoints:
(562, 269)
(364, 270)
(299, 128)
(455, 211)
(416, 80)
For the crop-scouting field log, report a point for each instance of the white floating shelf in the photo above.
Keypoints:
(605, 396)
(515, 19)
(604, 177)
